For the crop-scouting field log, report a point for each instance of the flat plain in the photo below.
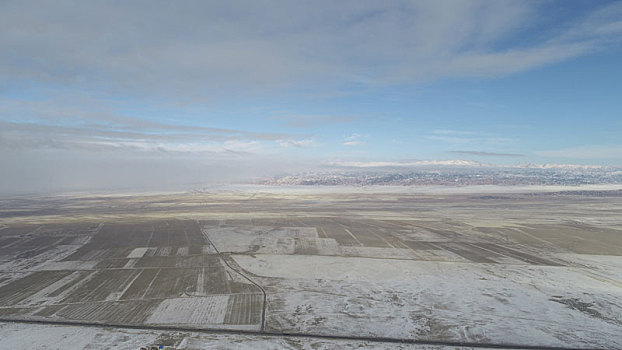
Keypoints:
(520, 268)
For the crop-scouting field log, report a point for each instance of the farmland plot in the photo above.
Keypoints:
(540, 270)
(125, 273)
(191, 311)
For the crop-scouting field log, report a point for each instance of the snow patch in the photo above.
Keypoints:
(194, 311)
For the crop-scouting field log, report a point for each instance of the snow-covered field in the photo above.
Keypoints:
(137, 253)
(17, 336)
(513, 267)
(428, 189)
(516, 304)
(193, 311)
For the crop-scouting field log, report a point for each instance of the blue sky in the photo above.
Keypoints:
(100, 93)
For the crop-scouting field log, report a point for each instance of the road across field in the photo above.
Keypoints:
(296, 335)
(522, 271)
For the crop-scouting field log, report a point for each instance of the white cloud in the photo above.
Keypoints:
(353, 140)
(90, 126)
(373, 164)
(204, 49)
(242, 145)
(296, 143)
(586, 152)
(470, 138)
(451, 132)
(486, 153)
(312, 120)
(450, 139)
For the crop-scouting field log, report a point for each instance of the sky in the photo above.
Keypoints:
(170, 95)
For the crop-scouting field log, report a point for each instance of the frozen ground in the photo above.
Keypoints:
(49, 337)
(202, 311)
(523, 267)
(533, 305)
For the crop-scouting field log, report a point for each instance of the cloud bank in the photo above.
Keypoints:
(198, 49)
(488, 154)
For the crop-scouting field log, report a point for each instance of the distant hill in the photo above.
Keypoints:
(450, 172)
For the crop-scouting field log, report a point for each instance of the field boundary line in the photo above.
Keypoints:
(292, 335)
